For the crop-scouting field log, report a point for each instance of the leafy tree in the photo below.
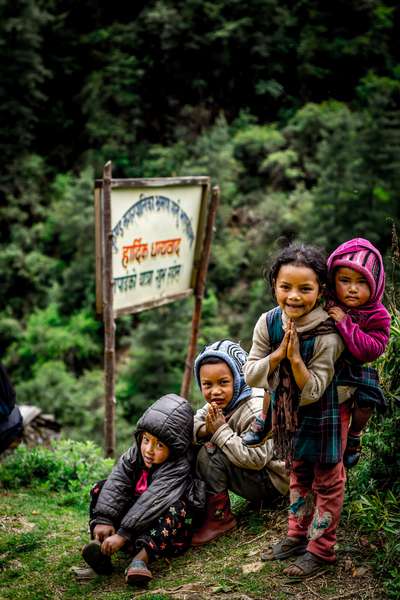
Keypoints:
(23, 74)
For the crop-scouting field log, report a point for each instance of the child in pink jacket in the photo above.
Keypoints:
(357, 278)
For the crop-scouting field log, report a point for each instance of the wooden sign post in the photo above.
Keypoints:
(153, 241)
(108, 316)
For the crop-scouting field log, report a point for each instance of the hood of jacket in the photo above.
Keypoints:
(362, 256)
(235, 357)
(170, 419)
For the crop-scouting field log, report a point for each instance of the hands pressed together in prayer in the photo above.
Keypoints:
(110, 541)
(214, 418)
(290, 346)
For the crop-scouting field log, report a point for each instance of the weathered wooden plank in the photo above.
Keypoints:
(155, 182)
(153, 303)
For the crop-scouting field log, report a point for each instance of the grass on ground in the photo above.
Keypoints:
(41, 538)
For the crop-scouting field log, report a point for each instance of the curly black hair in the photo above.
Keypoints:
(302, 255)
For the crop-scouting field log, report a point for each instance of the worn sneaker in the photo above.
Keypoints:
(100, 563)
(258, 432)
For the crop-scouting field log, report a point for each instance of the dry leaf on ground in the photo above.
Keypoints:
(252, 567)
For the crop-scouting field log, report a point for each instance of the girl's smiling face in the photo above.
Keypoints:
(296, 290)
(216, 382)
(153, 451)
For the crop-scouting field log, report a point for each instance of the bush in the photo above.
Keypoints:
(68, 467)
(378, 517)
(376, 513)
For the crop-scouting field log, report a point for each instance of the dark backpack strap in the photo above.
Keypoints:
(274, 326)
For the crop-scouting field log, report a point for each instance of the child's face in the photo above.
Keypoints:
(217, 383)
(351, 287)
(296, 290)
(153, 451)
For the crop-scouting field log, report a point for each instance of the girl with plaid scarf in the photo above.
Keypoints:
(293, 354)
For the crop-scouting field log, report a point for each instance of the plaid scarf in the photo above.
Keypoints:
(311, 432)
(349, 372)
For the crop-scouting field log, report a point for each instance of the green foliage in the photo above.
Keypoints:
(229, 262)
(377, 512)
(68, 466)
(380, 468)
(110, 94)
(72, 246)
(292, 109)
(35, 562)
(298, 151)
(154, 365)
(252, 147)
(23, 74)
(388, 364)
(49, 336)
(77, 403)
(378, 516)
(212, 153)
(213, 327)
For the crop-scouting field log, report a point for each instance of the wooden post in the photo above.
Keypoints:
(199, 291)
(108, 318)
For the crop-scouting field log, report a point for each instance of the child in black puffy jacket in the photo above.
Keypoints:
(145, 506)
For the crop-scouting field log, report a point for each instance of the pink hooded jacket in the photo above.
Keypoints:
(365, 329)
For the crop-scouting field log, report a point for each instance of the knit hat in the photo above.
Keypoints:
(234, 356)
(361, 256)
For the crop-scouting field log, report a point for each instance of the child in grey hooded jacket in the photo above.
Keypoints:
(224, 462)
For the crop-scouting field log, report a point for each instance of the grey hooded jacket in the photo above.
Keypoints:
(170, 419)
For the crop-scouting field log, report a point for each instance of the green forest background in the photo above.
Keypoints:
(291, 107)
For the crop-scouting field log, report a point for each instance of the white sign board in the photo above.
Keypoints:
(156, 237)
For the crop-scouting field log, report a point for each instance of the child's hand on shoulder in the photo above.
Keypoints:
(215, 419)
(101, 532)
(112, 544)
(336, 313)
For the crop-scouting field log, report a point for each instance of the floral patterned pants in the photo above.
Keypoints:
(168, 535)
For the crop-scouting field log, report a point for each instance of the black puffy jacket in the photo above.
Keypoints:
(170, 419)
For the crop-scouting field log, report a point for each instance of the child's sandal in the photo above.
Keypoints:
(308, 564)
(285, 548)
(137, 573)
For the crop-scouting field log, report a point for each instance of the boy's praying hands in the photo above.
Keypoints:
(214, 419)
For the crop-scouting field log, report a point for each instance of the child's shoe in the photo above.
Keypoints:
(100, 563)
(258, 432)
(218, 520)
(353, 451)
(138, 573)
